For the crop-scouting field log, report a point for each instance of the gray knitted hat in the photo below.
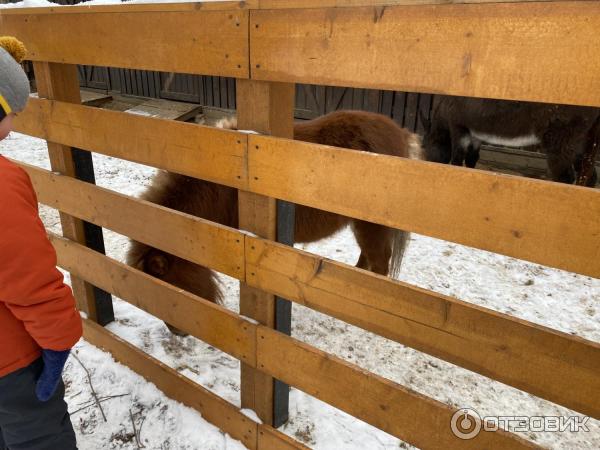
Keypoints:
(14, 85)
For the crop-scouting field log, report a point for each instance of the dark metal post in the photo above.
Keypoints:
(84, 171)
(286, 219)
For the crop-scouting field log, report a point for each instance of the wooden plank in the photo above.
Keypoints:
(207, 321)
(395, 409)
(191, 41)
(297, 4)
(93, 98)
(230, 5)
(544, 362)
(517, 51)
(272, 439)
(201, 152)
(197, 240)
(162, 111)
(60, 81)
(225, 5)
(265, 108)
(547, 223)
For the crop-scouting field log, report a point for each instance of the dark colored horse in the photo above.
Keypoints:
(459, 125)
(381, 247)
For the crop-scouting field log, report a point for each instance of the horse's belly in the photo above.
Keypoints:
(504, 141)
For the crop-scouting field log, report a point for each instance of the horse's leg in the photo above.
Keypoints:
(375, 242)
(461, 140)
(560, 145)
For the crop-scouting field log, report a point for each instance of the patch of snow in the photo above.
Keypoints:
(127, 399)
(30, 4)
(251, 414)
(140, 112)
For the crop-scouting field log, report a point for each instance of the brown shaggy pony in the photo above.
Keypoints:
(381, 247)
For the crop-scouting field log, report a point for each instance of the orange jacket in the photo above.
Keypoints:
(37, 310)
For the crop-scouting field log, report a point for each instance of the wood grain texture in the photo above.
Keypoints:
(399, 411)
(519, 51)
(201, 318)
(265, 108)
(197, 240)
(544, 362)
(303, 4)
(240, 5)
(543, 222)
(270, 438)
(201, 152)
(226, 5)
(189, 41)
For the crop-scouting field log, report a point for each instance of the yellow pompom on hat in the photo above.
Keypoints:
(14, 85)
(14, 47)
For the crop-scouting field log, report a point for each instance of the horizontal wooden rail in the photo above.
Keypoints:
(547, 223)
(197, 240)
(520, 50)
(202, 152)
(544, 52)
(212, 407)
(188, 41)
(530, 357)
(544, 362)
(387, 405)
(415, 418)
(225, 5)
(230, 5)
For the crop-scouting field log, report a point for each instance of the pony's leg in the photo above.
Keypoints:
(314, 224)
(375, 242)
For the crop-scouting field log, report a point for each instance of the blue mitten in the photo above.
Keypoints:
(54, 361)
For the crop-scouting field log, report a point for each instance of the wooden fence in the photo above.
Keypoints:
(512, 50)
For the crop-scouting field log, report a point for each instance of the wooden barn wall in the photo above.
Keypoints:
(311, 101)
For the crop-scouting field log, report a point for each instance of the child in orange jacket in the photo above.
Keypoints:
(38, 320)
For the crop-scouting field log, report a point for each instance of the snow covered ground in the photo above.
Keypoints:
(561, 300)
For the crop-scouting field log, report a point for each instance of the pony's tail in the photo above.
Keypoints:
(400, 240)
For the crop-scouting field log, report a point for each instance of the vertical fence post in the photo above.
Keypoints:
(267, 108)
(286, 224)
(60, 82)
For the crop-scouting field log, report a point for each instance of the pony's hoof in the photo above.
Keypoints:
(176, 331)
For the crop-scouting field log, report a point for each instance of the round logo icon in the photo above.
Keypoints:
(465, 423)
